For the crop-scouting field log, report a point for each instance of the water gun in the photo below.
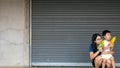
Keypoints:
(101, 44)
(112, 41)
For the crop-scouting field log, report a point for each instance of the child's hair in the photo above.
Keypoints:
(105, 32)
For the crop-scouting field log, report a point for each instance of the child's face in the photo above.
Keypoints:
(107, 36)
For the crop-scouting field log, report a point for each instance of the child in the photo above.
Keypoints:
(107, 47)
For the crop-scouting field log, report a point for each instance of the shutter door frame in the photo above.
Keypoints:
(51, 64)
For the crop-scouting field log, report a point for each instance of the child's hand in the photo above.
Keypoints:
(111, 45)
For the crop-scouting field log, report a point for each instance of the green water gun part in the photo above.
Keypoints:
(101, 44)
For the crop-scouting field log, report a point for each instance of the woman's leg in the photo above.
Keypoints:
(98, 61)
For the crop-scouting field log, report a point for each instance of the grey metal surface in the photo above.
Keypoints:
(62, 29)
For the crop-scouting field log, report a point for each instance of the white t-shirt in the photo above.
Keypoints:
(106, 44)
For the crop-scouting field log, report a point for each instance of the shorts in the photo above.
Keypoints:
(106, 56)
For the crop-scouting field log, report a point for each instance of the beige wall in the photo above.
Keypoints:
(14, 33)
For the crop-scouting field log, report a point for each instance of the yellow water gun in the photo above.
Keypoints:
(112, 41)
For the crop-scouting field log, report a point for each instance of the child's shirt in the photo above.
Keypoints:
(106, 44)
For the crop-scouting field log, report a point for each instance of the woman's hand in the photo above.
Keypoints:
(108, 52)
(100, 49)
(105, 52)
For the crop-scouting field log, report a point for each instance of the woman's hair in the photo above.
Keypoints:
(93, 41)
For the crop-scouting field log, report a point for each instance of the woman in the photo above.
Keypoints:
(94, 53)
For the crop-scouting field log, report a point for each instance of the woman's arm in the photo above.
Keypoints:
(109, 52)
(112, 52)
(93, 55)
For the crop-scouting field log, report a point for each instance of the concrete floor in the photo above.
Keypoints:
(49, 67)
(66, 67)
(62, 67)
(46, 67)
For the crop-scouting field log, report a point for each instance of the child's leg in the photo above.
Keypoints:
(113, 62)
(104, 63)
(109, 63)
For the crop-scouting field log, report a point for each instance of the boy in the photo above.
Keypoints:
(107, 47)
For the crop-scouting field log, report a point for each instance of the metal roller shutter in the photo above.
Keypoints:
(62, 29)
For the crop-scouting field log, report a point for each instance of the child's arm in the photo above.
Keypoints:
(111, 46)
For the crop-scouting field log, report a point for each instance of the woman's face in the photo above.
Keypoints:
(98, 40)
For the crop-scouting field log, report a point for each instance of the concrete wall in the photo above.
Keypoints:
(14, 33)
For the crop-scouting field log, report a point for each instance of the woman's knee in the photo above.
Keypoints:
(99, 59)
